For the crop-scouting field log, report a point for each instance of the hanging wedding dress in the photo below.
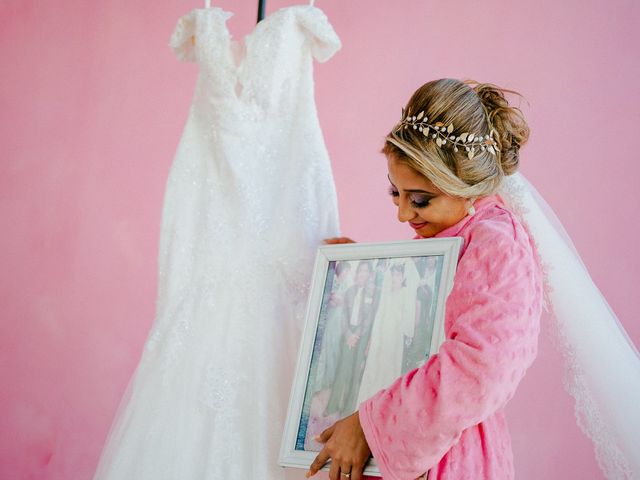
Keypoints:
(249, 198)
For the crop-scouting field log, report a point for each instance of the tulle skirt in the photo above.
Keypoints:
(209, 397)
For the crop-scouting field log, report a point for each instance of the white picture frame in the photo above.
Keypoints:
(349, 350)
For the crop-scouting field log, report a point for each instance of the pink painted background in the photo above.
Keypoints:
(92, 104)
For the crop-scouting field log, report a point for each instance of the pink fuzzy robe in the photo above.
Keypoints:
(447, 417)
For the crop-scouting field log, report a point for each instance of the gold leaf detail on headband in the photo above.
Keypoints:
(443, 134)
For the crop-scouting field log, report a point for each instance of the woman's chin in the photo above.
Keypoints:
(425, 230)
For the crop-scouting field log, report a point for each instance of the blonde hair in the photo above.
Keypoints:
(471, 107)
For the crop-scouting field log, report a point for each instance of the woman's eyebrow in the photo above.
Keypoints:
(413, 191)
(421, 191)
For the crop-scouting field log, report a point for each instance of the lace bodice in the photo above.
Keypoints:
(263, 69)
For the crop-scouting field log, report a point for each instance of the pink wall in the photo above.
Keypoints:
(92, 105)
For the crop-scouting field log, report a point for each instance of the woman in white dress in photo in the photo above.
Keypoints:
(393, 328)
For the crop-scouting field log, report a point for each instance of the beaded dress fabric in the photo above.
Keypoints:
(249, 198)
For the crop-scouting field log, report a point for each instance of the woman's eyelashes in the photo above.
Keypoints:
(417, 200)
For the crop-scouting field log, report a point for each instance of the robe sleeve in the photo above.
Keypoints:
(492, 315)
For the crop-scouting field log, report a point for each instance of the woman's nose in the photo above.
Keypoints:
(405, 212)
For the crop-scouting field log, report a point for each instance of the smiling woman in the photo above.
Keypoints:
(447, 158)
(427, 209)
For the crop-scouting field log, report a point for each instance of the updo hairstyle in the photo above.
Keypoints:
(471, 107)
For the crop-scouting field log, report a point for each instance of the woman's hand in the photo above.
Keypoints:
(346, 446)
(338, 240)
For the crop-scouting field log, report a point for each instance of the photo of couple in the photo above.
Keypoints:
(376, 323)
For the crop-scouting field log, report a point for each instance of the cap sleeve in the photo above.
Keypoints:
(183, 39)
(322, 38)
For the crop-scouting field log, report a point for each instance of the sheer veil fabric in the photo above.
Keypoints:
(602, 366)
(249, 197)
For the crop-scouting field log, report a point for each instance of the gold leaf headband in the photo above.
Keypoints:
(443, 135)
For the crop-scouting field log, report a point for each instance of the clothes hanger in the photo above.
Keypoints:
(261, 9)
(263, 3)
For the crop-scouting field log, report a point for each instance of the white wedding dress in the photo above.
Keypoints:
(249, 198)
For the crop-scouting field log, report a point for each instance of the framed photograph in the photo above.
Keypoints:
(375, 312)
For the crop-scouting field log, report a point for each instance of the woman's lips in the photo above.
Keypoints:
(417, 226)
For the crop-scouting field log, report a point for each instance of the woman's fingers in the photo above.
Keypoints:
(318, 463)
(334, 471)
(326, 435)
(346, 446)
(338, 240)
(345, 472)
(356, 473)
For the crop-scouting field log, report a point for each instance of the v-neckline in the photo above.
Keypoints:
(237, 50)
(242, 41)
(237, 62)
(231, 40)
